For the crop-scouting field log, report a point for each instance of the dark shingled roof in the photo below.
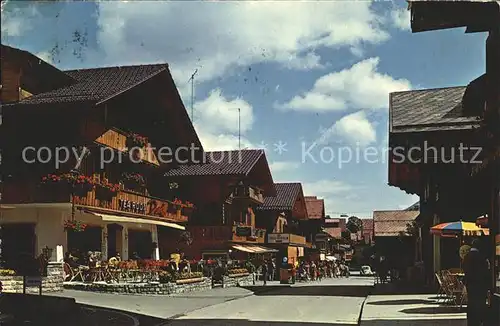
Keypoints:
(429, 110)
(239, 162)
(286, 195)
(98, 84)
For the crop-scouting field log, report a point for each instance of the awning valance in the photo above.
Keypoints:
(126, 219)
(252, 249)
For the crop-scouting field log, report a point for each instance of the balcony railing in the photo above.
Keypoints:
(248, 193)
(117, 140)
(122, 201)
(129, 202)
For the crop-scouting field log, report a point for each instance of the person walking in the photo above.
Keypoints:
(265, 271)
(476, 278)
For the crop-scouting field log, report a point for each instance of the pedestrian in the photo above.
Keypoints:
(476, 278)
(270, 270)
(264, 272)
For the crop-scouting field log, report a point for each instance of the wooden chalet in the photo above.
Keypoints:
(281, 215)
(227, 187)
(391, 237)
(106, 126)
(468, 186)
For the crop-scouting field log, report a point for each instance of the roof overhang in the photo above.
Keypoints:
(474, 15)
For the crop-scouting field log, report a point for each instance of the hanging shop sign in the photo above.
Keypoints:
(278, 238)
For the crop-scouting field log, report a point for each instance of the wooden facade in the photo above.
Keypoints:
(92, 139)
(471, 189)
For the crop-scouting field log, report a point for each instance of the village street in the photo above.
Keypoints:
(331, 301)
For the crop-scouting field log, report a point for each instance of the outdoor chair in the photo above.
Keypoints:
(441, 295)
(453, 287)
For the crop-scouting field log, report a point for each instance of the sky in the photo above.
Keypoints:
(311, 79)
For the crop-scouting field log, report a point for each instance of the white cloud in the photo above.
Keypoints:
(222, 141)
(401, 19)
(282, 166)
(16, 21)
(217, 113)
(216, 122)
(326, 187)
(336, 194)
(216, 36)
(353, 128)
(361, 86)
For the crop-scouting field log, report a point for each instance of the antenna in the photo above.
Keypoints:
(192, 93)
(239, 128)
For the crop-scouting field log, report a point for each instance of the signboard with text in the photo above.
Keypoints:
(278, 238)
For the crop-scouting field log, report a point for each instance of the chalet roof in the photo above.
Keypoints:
(315, 207)
(238, 162)
(392, 223)
(367, 224)
(38, 75)
(97, 84)
(475, 15)
(429, 110)
(286, 195)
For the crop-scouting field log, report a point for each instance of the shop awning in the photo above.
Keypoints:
(252, 249)
(126, 219)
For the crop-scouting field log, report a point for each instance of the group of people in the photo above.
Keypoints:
(316, 271)
(306, 271)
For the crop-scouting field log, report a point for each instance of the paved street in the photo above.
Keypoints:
(331, 301)
(334, 301)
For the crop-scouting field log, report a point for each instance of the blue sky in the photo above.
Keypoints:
(302, 73)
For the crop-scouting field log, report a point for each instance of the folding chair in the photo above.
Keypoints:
(452, 287)
(441, 292)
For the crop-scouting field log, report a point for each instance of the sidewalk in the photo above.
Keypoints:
(164, 307)
(409, 310)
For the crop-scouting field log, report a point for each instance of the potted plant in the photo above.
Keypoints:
(82, 185)
(133, 181)
(74, 225)
(188, 208)
(106, 191)
(175, 206)
(136, 140)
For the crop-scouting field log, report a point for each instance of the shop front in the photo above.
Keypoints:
(291, 247)
(30, 228)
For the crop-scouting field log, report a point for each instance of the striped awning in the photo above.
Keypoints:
(253, 249)
(126, 219)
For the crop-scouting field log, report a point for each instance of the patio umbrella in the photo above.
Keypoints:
(459, 228)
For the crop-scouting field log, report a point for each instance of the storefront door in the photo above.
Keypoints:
(18, 240)
(140, 244)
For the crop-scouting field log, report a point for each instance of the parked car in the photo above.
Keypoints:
(366, 270)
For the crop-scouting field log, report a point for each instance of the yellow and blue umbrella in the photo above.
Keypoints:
(459, 228)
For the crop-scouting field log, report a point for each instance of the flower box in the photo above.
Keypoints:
(189, 280)
(239, 275)
(106, 191)
(136, 140)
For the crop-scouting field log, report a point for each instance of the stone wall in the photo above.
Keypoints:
(234, 281)
(142, 288)
(53, 282)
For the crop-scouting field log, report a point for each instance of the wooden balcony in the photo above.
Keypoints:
(136, 204)
(123, 201)
(117, 140)
(214, 234)
(248, 194)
